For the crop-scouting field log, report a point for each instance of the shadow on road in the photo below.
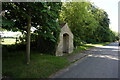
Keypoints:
(102, 62)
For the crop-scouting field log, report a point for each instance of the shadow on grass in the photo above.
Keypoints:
(41, 65)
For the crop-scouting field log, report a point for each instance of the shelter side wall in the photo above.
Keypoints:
(59, 51)
(71, 44)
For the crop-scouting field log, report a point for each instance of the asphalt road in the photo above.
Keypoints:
(102, 62)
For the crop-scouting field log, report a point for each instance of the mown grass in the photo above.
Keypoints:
(41, 66)
(8, 41)
(81, 48)
(98, 44)
(86, 46)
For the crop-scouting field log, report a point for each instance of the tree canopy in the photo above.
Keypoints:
(87, 22)
(43, 17)
(21, 16)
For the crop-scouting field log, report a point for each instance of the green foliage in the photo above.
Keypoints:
(43, 19)
(43, 45)
(39, 44)
(79, 19)
(87, 22)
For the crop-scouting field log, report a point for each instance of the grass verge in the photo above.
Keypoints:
(41, 66)
(99, 44)
(86, 46)
(8, 41)
(81, 48)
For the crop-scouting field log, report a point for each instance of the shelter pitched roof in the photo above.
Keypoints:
(62, 24)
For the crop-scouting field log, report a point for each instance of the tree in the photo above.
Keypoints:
(87, 22)
(79, 19)
(20, 17)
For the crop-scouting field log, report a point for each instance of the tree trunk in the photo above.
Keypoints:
(28, 41)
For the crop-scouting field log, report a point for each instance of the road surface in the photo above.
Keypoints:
(102, 62)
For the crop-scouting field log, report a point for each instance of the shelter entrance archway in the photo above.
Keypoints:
(65, 43)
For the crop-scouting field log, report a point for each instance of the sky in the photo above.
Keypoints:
(111, 7)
